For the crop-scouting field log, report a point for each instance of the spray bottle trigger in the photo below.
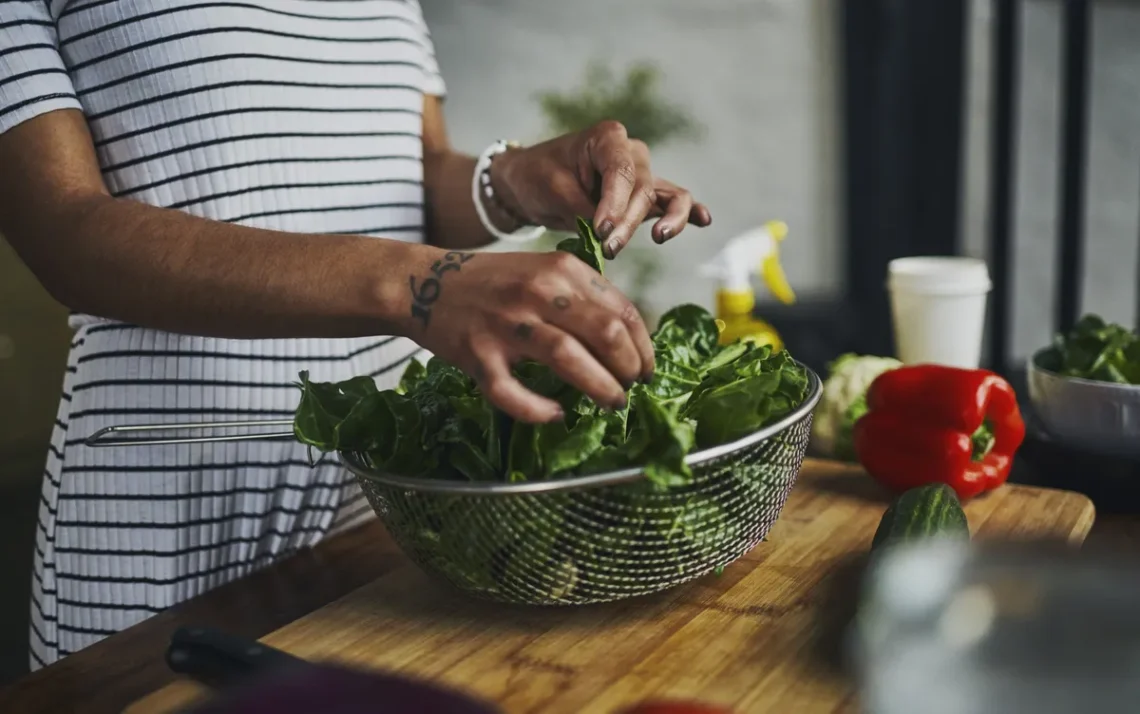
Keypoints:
(774, 277)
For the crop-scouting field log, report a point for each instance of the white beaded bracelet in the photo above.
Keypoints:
(481, 190)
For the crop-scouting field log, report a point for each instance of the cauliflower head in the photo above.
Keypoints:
(844, 400)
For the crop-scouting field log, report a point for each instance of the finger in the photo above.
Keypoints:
(570, 360)
(699, 214)
(609, 151)
(605, 334)
(641, 202)
(499, 386)
(677, 206)
(599, 289)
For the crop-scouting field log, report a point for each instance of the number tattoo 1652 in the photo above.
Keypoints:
(427, 291)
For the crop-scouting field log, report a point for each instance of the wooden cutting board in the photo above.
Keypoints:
(762, 637)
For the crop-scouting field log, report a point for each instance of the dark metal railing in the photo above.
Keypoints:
(1074, 159)
(1075, 33)
(903, 83)
(1003, 150)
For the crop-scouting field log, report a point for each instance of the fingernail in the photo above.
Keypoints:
(605, 229)
(663, 234)
(646, 379)
(627, 385)
(619, 404)
(611, 248)
(559, 416)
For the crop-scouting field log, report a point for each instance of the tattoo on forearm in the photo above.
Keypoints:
(523, 331)
(599, 285)
(561, 302)
(426, 291)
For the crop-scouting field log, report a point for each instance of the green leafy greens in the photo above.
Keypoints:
(1095, 350)
(436, 424)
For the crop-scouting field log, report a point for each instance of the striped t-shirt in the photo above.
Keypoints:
(294, 115)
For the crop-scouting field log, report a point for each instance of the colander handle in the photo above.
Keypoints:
(136, 434)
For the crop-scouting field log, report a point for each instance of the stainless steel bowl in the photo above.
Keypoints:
(1101, 417)
(569, 541)
(596, 538)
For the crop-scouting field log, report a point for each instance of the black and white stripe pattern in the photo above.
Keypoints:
(296, 115)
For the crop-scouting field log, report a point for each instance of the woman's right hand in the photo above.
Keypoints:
(486, 312)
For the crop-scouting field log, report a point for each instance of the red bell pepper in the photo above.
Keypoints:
(936, 424)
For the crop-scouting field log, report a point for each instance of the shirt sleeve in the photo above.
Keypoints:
(33, 79)
(433, 79)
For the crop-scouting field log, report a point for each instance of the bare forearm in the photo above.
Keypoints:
(172, 271)
(451, 218)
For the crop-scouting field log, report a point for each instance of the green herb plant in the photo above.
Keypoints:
(437, 425)
(634, 100)
(1096, 350)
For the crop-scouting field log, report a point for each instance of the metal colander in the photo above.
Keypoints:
(584, 539)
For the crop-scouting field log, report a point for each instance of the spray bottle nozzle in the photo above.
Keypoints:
(755, 251)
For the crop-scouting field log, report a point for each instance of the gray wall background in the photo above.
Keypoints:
(761, 76)
(1112, 217)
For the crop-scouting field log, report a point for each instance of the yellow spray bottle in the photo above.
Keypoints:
(757, 251)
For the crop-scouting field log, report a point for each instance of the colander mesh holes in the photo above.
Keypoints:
(596, 544)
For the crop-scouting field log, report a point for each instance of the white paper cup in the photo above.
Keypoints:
(938, 306)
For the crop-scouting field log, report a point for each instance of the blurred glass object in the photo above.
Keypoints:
(946, 628)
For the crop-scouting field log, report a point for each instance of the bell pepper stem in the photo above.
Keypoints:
(983, 440)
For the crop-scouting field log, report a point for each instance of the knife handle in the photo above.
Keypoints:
(219, 659)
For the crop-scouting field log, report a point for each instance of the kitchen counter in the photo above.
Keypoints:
(111, 674)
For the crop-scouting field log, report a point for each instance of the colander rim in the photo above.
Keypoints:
(353, 462)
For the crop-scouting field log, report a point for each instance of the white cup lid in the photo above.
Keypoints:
(945, 275)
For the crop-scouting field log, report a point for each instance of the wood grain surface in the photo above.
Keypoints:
(764, 636)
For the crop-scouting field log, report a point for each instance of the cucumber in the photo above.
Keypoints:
(927, 511)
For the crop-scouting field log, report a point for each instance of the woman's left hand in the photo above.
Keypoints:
(599, 172)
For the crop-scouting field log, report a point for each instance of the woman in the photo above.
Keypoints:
(227, 193)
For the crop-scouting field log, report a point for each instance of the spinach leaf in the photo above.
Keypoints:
(524, 459)
(413, 375)
(741, 397)
(585, 245)
(324, 406)
(659, 440)
(683, 344)
(472, 438)
(548, 450)
(564, 450)
(689, 330)
(673, 379)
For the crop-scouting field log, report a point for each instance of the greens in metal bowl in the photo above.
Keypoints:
(604, 505)
(1085, 388)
